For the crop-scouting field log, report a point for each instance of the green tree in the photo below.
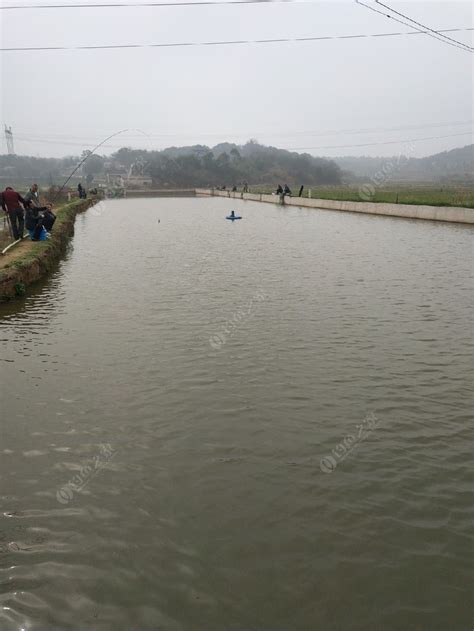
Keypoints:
(92, 166)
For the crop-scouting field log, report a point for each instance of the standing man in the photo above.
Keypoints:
(32, 197)
(12, 205)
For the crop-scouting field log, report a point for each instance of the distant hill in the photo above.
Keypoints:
(454, 165)
(192, 150)
(225, 164)
(230, 164)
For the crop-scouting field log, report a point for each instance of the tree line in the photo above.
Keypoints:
(225, 164)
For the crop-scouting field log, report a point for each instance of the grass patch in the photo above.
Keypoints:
(39, 249)
(20, 289)
(416, 195)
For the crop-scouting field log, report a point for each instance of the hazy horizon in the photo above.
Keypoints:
(108, 154)
(331, 98)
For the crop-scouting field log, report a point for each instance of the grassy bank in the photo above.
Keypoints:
(416, 195)
(28, 261)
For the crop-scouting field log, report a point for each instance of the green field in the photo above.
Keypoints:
(417, 195)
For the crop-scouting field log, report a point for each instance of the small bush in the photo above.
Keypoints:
(20, 289)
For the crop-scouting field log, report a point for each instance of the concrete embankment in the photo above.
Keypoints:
(29, 261)
(433, 213)
(151, 192)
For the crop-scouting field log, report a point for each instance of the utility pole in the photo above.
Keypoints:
(9, 139)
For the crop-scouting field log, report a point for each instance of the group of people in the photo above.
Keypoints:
(281, 191)
(287, 191)
(27, 212)
(245, 188)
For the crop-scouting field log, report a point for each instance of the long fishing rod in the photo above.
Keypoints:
(78, 166)
(91, 153)
(9, 224)
(10, 232)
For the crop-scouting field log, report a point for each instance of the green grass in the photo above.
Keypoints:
(65, 213)
(416, 195)
(43, 253)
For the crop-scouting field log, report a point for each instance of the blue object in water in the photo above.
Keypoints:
(233, 217)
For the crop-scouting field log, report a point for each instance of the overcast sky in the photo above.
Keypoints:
(306, 96)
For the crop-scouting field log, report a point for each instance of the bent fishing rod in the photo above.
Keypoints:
(91, 153)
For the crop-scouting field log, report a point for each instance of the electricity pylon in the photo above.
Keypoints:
(9, 139)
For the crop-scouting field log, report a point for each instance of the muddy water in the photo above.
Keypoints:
(253, 426)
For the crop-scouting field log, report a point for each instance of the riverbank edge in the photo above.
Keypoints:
(407, 211)
(37, 260)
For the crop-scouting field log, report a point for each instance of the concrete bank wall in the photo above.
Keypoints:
(179, 192)
(433, 213)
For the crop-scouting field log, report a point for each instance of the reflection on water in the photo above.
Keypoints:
(260, 425)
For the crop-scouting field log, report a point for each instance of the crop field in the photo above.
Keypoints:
(403, 194)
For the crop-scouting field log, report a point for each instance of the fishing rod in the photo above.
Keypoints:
(91, 153)
(76, 168)
(9, 224)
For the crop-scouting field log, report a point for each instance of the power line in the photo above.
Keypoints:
(387, 142)
(386, 15)
(427, 28)
(118, 5)
(461, 47)
(369, 144)
(222, 43)
(62, 138)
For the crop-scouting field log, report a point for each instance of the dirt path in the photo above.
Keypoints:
(28, 261)
(27, 245)
(16, 252)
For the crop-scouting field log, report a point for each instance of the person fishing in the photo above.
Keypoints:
(39, 220)
(32, 196)
(12, 203)
(32, 217)
(48, 217)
